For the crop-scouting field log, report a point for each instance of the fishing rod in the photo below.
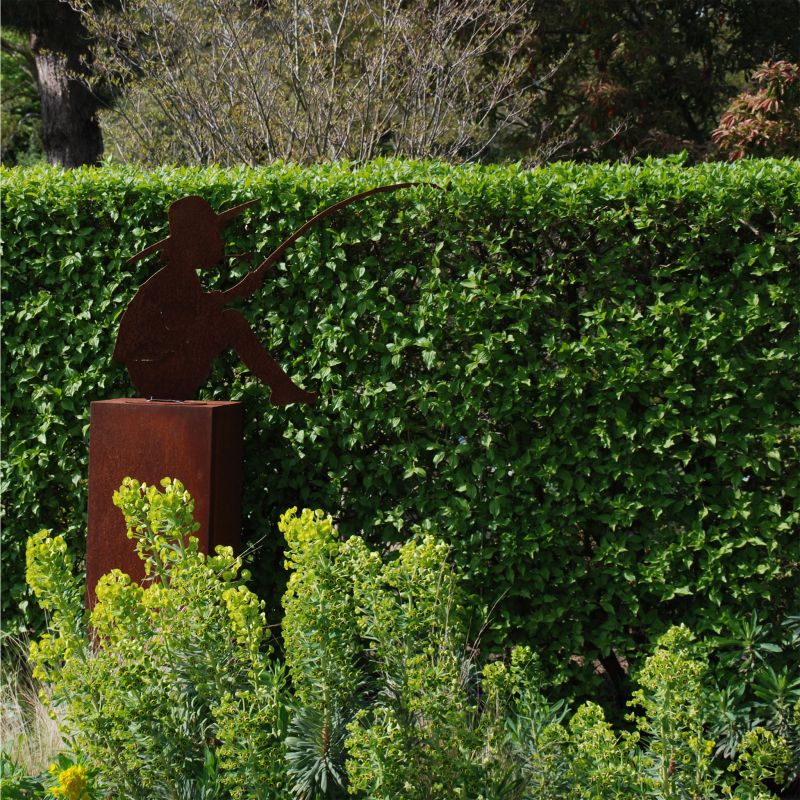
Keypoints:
(305, 227)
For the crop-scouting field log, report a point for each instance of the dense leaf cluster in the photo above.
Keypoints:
(170, 688)
(585, 379)
(651, 78)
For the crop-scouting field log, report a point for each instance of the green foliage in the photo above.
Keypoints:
(764, 757)
(646, 77)
(671, 698)
(174, 694)
(421, 737)
(15, 782)
(171, 694)
(425, 722)
(584, 379)
(605, 764)
(20, 108)
(529, 744)
(323, 649)
(375, 652)
(756, 670)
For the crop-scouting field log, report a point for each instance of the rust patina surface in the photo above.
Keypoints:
(173, 329)
(200, 443)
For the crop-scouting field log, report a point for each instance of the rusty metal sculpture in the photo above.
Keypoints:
(173, 329)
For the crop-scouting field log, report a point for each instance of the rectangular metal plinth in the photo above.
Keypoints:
(196, 442)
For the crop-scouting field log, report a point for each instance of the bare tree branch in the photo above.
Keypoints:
(309, 80)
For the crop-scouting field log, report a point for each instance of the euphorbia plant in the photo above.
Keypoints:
(167, 684)
(171, 687)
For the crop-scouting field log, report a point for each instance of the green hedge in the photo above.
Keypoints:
(585, 378)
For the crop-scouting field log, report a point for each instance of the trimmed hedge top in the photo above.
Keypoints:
(585, 378)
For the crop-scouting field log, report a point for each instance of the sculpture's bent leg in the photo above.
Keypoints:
(236, 333)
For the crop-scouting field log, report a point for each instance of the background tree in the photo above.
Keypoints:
(646, 77)
(20, 127)
(230, 81)
(249, 81)
(59, 56)
(765, 118)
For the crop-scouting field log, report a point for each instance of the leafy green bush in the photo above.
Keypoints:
(583, 378)
(167, 665)
(174, 691)
(758, 679)
(20, 106)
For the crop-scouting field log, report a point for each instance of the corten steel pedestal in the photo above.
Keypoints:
(198, 443)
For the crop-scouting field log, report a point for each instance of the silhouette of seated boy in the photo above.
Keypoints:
(173, 329)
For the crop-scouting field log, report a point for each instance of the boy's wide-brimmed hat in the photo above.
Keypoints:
(189, 215)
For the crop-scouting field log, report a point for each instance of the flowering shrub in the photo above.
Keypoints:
(764, 120)
(71, 780)
(155, 677)
(72, 783)
(172, 688)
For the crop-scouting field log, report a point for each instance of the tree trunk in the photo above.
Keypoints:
(61, 50)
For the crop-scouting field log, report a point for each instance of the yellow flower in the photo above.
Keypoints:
(72, 783)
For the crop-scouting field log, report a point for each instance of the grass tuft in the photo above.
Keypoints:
(29, 735)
